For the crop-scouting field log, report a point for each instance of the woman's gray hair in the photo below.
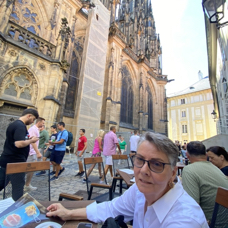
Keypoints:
(163, 144)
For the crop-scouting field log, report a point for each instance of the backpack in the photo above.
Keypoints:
(70, 138)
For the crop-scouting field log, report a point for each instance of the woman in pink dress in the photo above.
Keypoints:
(97, 149)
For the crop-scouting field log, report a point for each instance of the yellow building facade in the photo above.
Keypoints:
(189, 113)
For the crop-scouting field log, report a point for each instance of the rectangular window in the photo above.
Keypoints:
(183, 114)
(184, 129)
(182, 101)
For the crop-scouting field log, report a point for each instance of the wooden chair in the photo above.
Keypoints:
(124, 163)
(15, 171)
(220, 213)
(91, 185)
(130, 157)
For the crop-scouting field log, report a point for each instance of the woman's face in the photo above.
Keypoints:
(153, 185)
(215, 159)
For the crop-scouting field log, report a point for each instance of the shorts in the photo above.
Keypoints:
(32, 158)
(41, 151)
(98, 154)
(80, 158)
(47, 154)
(57, 156)
(108, 160)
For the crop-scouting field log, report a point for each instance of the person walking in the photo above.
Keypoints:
(97, 149)
(50, 148)
(82, 145)
(59, 151)
(16, 149)
(134, 142)
(34, 153)
(44, 138)
(109, 149)
(123, 147)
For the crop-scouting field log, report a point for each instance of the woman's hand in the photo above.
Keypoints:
(57, 209)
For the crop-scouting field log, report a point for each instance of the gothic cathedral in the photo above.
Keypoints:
(91, 64)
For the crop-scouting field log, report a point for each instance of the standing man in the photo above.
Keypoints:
(109, 149)
(59, 151)
(16, 149)
(34, 153)
(134, 142)
(44, 138)
(201, 178)
(82, 145)
(50, 148)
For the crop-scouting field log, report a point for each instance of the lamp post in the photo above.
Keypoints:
(214, 115)
(214, 9)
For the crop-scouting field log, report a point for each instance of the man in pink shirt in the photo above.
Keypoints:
(34, 153)
(109, 149)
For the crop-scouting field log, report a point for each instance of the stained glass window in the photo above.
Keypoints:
(150, 109)
(126, 115)
(25, 14)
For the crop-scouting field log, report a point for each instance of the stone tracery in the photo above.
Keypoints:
(21, 84)
(25, 14)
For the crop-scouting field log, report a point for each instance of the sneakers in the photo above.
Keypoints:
(29, 188)
(54, 178)
(82, 174)
(78, 174)
(101, 182)
(84, 180)
(62, 170)
(41, 173)
(52, 173)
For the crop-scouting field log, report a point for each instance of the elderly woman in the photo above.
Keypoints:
(219, 157)
(154, 200)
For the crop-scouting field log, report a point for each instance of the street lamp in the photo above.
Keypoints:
(214, 115)
(214, 9)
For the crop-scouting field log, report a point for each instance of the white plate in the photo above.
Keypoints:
(47, 224)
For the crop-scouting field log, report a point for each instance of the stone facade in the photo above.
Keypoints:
(189, 113)
(43, 55)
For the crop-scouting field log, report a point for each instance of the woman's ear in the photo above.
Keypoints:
(222, 157)
(174, 173)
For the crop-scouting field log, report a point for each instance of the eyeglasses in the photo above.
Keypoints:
(153, 164)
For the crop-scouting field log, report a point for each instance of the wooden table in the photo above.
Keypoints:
(71, 205)
(126, 177)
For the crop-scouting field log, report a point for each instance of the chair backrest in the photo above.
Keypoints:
(220, 213)
(16, 171)
(130, 157)
(120, 162)
(94, 176)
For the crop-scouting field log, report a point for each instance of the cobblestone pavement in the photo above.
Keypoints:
(67, 181)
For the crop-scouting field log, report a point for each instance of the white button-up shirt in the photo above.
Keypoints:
(175, 209)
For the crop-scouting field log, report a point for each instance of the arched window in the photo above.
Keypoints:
(19, 85)
(73, 84)
(25, 14)
(127, 97)
(150, 109)
(73, 80)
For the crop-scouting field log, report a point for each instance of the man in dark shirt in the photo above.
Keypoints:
(16, 149)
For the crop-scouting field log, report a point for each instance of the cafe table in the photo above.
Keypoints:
(71, 205)
(126, 177)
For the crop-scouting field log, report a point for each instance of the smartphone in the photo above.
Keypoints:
(85, 225)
